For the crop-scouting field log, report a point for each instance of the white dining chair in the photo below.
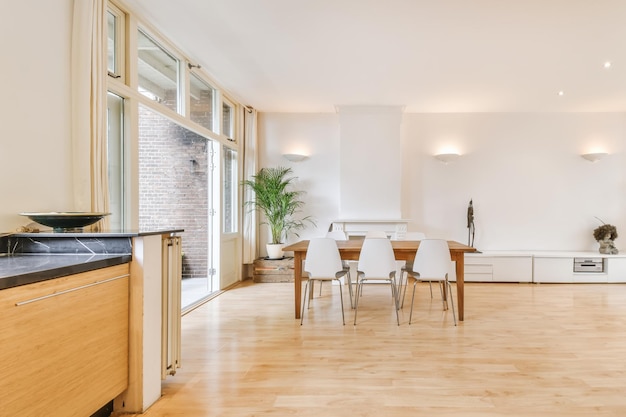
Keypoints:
(340, 235)
(432, 263)
(408, 266)
(377, 262)
(323, 263)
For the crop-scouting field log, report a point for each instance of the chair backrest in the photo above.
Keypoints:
(322, 258)
(377, 259)
(337, 235)
(432, 259)
(375, 234)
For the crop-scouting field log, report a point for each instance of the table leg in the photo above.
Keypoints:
(460, 283)
(297, 281)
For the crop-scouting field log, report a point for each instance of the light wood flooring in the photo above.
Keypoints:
(523, 350)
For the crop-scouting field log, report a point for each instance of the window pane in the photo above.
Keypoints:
(112, 43)
(158, 72)
(202, 102)
(230, 190)
(115, 156)
(227, 120)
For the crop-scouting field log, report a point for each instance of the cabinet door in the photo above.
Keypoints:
(617, 269)
(64, 344)
(562, 270)
(478, 272)
(484, 268)
(513, 269)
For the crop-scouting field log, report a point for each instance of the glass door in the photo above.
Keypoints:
(175, 177)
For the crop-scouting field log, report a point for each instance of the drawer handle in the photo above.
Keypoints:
(32, 300)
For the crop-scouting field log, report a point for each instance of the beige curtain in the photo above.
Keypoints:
(250, 238)
(88, 75)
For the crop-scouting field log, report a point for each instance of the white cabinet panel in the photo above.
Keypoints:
(616, 269)
(482, 267)
(482, 272)
(513, 269)
(561, 270)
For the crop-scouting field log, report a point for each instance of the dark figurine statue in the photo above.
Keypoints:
(470, 224)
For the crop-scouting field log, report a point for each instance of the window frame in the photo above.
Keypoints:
(119, 43)
(232, 135)
(229, 178)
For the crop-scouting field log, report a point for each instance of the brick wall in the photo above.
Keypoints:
(173, 190)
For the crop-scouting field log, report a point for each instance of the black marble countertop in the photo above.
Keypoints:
(106, 233)
(22, 269)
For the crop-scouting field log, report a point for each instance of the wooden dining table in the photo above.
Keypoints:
(404, 250)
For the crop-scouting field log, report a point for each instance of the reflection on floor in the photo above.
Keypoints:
(194, 290)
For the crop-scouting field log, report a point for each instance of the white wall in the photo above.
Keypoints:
(35, 168)
(316, 135)
(530, 187)
(368, 186)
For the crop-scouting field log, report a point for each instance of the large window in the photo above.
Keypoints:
(230, 191)
(166, 121)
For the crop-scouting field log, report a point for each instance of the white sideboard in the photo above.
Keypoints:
(541, 267)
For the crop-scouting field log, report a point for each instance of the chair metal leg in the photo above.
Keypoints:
(394, 295)
(349, 278)
(356, 300)
(444, 300)
(451, 300)
(412, 301)
(343, 317)
(401, 293)
(304, 301)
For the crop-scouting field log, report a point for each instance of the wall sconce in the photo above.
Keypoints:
(294, 157)
(446, 158)
(594, 157)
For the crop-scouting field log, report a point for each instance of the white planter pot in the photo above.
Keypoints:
(274, 250)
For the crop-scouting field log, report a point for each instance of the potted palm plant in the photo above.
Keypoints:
(279, 204)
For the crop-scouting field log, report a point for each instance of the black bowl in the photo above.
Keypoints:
(65, 221)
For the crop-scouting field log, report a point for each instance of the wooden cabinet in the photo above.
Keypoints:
(64, 344)
(273, 270)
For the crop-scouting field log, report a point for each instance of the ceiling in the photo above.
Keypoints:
(426, 55)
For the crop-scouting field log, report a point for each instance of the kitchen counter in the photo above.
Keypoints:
(22, 269)
(26, 258)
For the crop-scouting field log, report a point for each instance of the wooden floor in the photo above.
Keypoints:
(523, 350)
